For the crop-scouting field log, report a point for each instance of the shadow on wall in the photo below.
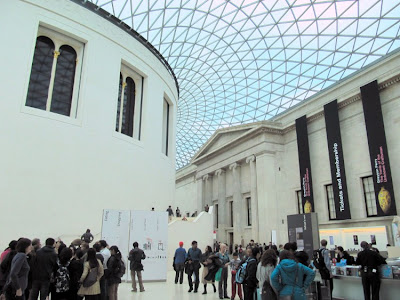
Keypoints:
(198, 229)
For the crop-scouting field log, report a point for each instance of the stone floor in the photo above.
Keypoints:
(168, 291)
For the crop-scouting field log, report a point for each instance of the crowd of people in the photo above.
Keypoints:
(260, 268)
(61, 272)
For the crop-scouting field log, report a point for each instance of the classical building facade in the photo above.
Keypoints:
(250, 173)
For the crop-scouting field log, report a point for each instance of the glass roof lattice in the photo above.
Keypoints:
(244, 61)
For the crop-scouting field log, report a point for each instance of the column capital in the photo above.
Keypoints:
(219, 172)
(205, 177)
(234, 166)
(251, 158)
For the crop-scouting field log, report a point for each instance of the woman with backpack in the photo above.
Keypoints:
(92, 272)
(114, 270)
(265, 268)
(288, 277)
(62, 278)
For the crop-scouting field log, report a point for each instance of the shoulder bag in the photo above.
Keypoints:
(91, 278)
(291, 296)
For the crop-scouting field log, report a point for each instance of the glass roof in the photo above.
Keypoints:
(243, 61)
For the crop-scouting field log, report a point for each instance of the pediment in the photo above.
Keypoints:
(222, 137)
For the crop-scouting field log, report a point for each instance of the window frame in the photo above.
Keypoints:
(299, 200)
(248, 206)
(127, 72)
(166, 126)
(367, 194)
(330, 201)
(59, 39)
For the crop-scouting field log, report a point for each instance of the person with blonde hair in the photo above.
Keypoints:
(223, 283)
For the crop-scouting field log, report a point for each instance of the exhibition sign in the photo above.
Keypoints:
(379, 156)
(305, 165)
(149, 228)
(335, 150)
(303, 229)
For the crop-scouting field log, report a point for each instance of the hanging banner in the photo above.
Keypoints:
(150, 230)
(378, 152)
(335, 151)
(115, 231)
(305, 165)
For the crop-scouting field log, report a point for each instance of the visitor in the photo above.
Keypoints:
(179, 263)
(206, 208)
(250, 282)
(291, 278)
(341, 254)
(43, 270)
(18, 278)
(106, 254)
(62, 277)
(5, 266)
(194, 257)
(113, 275)
(370, 260)
(205, 261)
(234, 265)
(178, 212)
(170, 213)
(75, 269)
(90, 286)
(135, 257)
(223, 283)
(327, 261)
(87, 237)
(265, 268)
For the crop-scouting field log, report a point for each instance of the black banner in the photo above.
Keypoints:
(378, 152)
(305, 165)
(335, 150)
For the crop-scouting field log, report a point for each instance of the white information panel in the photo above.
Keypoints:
(149, 229)
(115, 231)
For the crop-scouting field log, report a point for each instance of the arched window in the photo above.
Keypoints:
(41, 73)
(119, 101)
(54, 81)
(64, 81)
(126, 105)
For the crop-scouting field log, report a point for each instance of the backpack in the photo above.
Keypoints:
(121, 269)
(319, 263)
(62, 279)
(241, 272)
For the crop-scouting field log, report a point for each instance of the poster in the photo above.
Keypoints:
(335, 150)
(115, 230)
(378, 152)
(396, 230)
(305, 165)
(355, 239)
(150, 230)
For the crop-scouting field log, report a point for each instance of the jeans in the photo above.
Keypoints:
(371, 280)
(196, 268)
(39, 286)
(179, 268)
(222, 285)
(139, 276)
(113, 291)
(248, 292)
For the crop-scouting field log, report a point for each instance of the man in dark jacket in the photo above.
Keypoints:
(194, 257)
(370, 261)
(87, 237)
(250, 282)
(135, 257)
(44, 265)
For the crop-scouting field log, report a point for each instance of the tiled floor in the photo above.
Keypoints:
(168, 291)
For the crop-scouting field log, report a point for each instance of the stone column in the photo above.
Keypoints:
(254, 200)
(222, 207)
(200, 195)
(207, 190)
(238, 219)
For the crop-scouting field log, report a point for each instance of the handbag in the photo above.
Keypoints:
(267, 292)
(291, 296)
(91, 278)
(218, 275)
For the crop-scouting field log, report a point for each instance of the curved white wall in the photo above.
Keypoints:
(58, 173)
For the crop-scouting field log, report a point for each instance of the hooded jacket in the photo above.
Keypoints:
(44, 264)
(290, 284)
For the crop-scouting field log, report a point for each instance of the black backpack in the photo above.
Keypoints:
(319, 263)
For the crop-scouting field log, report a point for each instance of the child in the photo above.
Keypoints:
(234, 264)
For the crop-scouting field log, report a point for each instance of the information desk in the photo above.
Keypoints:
(350, 288)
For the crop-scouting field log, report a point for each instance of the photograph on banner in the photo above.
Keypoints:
(115, 231)
(150, 230)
